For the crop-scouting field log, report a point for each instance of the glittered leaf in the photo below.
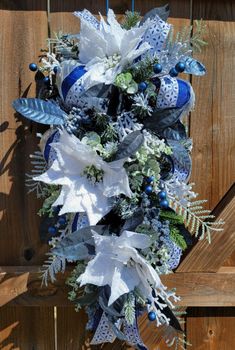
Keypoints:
(162, 119)
(181, 159)
(135, 220)
(40, 111)
(130, 145)
(163, 12)
(194, 67)
(78, 245)
(174, 132)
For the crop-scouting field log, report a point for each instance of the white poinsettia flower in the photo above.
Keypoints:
(118, 264)
(72, 169)
(105, 51)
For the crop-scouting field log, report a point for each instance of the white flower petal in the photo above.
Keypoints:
(133, 239)
(97, 272)
(123, 281)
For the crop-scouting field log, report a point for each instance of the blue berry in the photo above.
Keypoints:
(33, 67)
(151, 316)
(46, 80)
(142, 86)
(55, 69)
(52, 230)
(164, 204)
(150, 179)
(148, 189)
(173, 72)
(157, 68)
(180, 67)
(62, 221)
(162, 195)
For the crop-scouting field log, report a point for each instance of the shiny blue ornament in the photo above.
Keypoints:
(46, 80)
(180, 67)
(150, 179)
(148, 189)
(157, 68)
(152, 316)
(162, 195)
(62, 221)
(164, 204)
(173, 73)
(55, 69)
(142, 86)
(33, 67)
(52, 230)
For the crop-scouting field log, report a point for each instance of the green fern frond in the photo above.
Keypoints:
(177, 238)
(51, 267)
(196, 219)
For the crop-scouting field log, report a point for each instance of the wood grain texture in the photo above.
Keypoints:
(210, 257)
(22, 34)
(195, 288)
(213, 121)
(211, 328)
(35, 328)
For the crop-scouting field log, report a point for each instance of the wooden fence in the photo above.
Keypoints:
(42, 319)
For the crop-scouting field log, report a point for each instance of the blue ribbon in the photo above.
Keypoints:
(184, 93)
(71, 79)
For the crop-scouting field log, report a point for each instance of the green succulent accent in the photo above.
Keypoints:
(93, 174)
(126, 83)
(52, 194)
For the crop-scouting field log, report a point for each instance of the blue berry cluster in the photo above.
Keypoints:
(179, 68)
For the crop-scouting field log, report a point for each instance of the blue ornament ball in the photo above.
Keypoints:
(46, 80)
(180, 67)
(162, 195)
(142, 86)
(55, 69)
(52, 230)
(164, 204)
(33, 67)
(173, 73)
(62, 221)
(157, 68)
(150, 179)
(151, 316)
(148, 189)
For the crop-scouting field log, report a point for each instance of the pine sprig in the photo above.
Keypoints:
(130, 19)
(197, 219)
(129, 309)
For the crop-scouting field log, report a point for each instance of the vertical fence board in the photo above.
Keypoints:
(34, 331)
(212, 122)
(211, 328)
(23, 32)
(212, 129)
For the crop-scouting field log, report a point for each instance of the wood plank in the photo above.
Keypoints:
(71, 333)
(210, 257)
(211, 328)
(25, 30)
(213, 121)
(196, 288)
(28, 328)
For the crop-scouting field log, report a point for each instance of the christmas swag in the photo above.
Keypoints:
(114, 165)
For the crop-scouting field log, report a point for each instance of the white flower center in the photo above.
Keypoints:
(112, 61)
